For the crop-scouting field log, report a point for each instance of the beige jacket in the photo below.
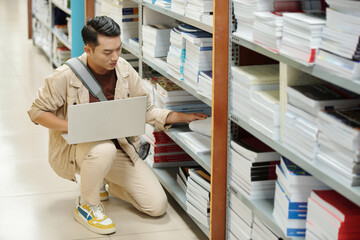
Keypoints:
(63, 89)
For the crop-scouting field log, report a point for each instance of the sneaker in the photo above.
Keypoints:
(104, 195)
(93, 218)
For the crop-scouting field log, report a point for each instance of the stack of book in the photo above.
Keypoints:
(268, 28)
(263, 232)
(130, 58)
(164, 152)
(241, 218)
(166, 94)
(339, 49)
(244, 14)
(301, 36)
(288, 5)
(163, 3)
(339, 142)
(202, 126)
(293, 187)
(124, 13)
(182, 177)
(200, 144)
(265, 113)
(198, 195)
(198, 56)
(178, 6)
(252, 169)
(195, 8)
(205, 84)
(304, 103)
(134, 42)
(156, 40)
(176, 55)
(247, 79)
(332, 216)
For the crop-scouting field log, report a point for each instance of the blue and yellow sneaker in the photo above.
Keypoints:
(93, 218)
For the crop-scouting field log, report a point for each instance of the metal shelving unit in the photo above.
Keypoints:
(62, 38)
(61, 6)
(264, 208)
(130, 48)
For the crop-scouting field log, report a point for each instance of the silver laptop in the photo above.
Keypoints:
(106, 120)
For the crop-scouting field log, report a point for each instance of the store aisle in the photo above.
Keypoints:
(34, 202)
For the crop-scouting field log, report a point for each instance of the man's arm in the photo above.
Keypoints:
(176, 117)
(51, 121)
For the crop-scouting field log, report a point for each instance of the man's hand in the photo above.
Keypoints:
(176, 117)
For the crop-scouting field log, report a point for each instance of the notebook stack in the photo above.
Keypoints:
(301, 36)
(156, 40)
(340, 46)
(268, 27)
(293, 187)
(263, 232)
(198, 56)
(176, 55)
(332, 216)
(244, 13)
(198, 195)
(246, 80)
(182, 176)
(164, 152)
(178, 6)
(195, 8)
(304, 103)
(265, 113)
(241, 219)
(170, 96)
(204, 87)
(124, 13)
(339, 142)
(252, 169)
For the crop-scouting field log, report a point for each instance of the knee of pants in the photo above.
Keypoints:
(105, 152)
(159, 207)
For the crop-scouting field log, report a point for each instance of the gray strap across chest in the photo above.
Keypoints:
(84, 74)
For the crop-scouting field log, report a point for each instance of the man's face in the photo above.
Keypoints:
(105, 55)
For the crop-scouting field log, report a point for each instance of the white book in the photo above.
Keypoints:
(197, 142)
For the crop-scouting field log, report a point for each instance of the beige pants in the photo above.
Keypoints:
(134, 183)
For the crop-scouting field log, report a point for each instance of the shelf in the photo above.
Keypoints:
(203, 160)
(316, 71)
(59, 5)
(62, 37)
(179, 17)
(152, 62)
(167, 177)
(43, 22)
(130, 48)
(318, 170)
(263, 209)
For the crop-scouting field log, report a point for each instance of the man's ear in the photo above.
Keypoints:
(88, 50)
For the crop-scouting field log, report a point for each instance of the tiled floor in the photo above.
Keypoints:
(34, 202)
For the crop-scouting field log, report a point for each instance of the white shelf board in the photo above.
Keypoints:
(130, 48)
(152, 63)
(167, 177)
(179, 17)
(61, 6)
(316, 71)
(62, 38)
(203, 160)
(318, 170)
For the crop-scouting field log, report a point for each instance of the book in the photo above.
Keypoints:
(254, 150)
(201, 177)
(198, 143)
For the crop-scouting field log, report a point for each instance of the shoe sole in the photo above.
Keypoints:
(79, 219)
(104, 198)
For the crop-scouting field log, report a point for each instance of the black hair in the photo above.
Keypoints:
(102, 25)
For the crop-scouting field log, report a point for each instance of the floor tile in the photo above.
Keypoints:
(168, 235)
